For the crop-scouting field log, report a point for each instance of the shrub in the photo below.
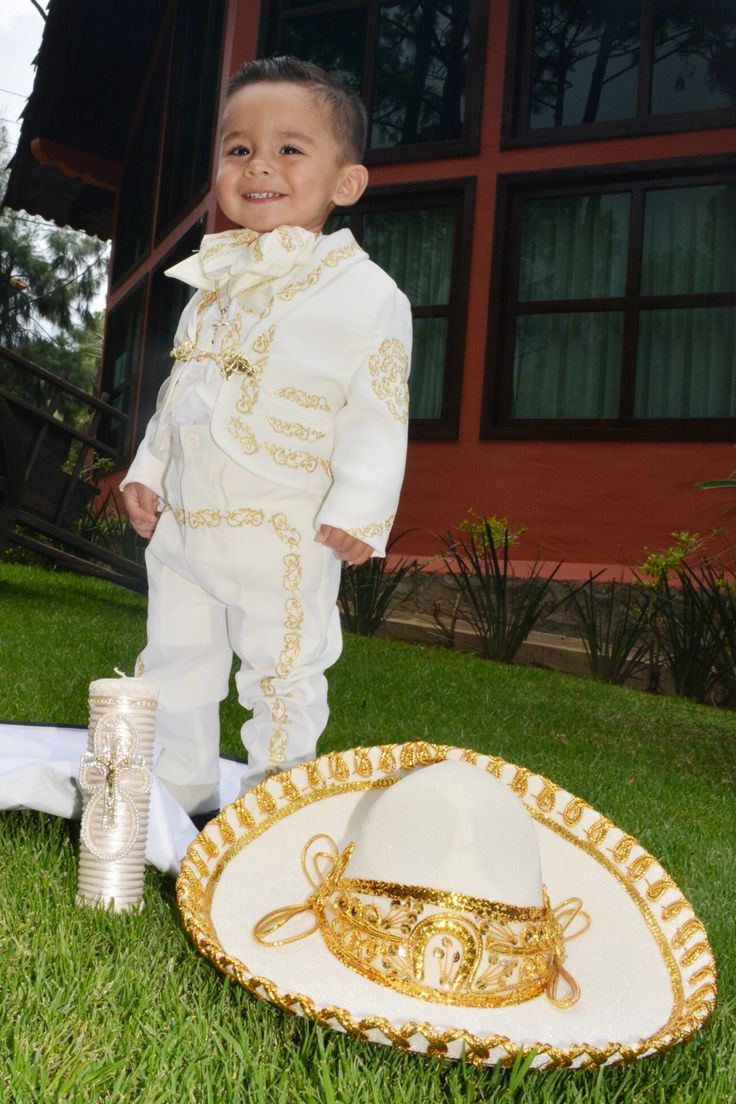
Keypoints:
(501, 608)
(370, 592)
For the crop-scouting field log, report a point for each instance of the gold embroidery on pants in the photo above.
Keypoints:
(294, 613)
(284, 531)
(289, 654)
(292, 642)
(210, 519)
(277, 746)
(292, 577)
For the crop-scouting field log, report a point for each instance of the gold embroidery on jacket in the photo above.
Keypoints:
(375, 529)
(389, 369)
(332, 260)
(244, 435)
(303, 398)
(295, 429)
(249, 388)
(297, 458)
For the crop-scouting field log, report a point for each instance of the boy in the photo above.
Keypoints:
(277, 449)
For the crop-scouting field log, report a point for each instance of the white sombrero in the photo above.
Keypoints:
(445, 902)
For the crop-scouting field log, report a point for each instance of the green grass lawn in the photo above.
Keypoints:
(103, 1008)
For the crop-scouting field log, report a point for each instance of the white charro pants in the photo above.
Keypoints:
(233, 566)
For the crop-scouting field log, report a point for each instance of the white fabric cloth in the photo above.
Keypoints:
(234, 567)
(39, 769)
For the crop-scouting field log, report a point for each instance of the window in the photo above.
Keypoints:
(191, 107)
(167, 299)
(134, 222)
(167, 164)
(120, 364)
(616, 314)
(417, 64)
(619, 67)
(422, 238)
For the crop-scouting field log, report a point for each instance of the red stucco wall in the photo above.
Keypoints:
(589, 503)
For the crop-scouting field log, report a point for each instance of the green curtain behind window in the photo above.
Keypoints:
(568, 365)
(686, 364)
(415, 248)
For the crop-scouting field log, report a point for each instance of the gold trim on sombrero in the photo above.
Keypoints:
(450, 948)
(682, 949)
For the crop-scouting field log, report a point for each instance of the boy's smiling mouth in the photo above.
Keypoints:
(262, 195)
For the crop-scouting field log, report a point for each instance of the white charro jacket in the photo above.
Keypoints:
(314, 395)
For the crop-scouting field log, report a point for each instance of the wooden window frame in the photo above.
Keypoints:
(128, 387)
(467, 145)
(636, 178)
(460, 193)
(515, 130)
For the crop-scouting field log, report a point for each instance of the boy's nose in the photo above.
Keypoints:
(257, 165)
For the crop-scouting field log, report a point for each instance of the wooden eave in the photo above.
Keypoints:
(90, 67)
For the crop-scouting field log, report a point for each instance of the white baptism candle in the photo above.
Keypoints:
(115, 777)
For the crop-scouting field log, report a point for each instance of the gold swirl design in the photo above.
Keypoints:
(389, 371)
(332, 259)
(297, 458)
(375, 529)
(304, 399)
(277, 746)
(284, 531)
(210, 518)
(295, 429)
(244, 435)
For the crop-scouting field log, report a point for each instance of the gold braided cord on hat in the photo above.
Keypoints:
(450, 948)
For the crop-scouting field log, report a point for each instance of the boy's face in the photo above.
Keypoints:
(280, 162)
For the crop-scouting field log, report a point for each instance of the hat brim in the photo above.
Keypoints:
(645, 967)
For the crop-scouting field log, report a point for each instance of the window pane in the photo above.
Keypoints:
(689, 240)
(333, 40)
(135, 205)
(190, 112)
(426, 382)
(694, 56)
(415, 248)
(585, 62)
(574, 247)
(567, 365)
(120, 362)
(686, 365)
(421, 65)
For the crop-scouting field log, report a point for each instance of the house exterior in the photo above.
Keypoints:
(552, 184)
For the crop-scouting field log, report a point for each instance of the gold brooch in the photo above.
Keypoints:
(231, 365)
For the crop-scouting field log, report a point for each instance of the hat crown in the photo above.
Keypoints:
(453, 827)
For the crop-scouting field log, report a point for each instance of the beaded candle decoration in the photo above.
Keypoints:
(115, 778)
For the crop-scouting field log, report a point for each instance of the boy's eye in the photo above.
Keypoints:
(290, 149)
(238, 151)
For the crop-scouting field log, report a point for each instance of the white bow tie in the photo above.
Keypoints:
(244, 263)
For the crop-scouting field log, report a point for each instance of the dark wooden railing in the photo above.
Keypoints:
(43, 489)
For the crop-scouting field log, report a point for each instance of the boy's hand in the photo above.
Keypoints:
(349, 549)
(141, 504)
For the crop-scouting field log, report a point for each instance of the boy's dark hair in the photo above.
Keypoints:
(349, 117)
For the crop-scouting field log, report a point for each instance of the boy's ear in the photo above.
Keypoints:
(353, 182)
